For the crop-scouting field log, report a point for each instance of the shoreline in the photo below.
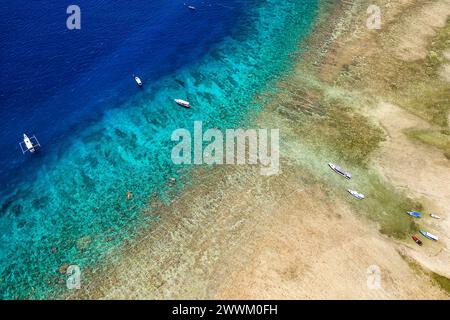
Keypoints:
(236, 235)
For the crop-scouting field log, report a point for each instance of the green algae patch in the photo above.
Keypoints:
(325, 115)
(388, 207)
(429, 100)
(442, 281)
(437, 279)
(421, 90)
(414, 85)
(436, 138)
(440, 43)
(351, 133)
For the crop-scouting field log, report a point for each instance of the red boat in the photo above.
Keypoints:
(417, 240)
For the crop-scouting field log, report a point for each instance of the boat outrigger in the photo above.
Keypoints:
(29, 144)
(414, 214)
(138, 80)
(339, 170)
(183, 103)
(429, 235)
(357, 195)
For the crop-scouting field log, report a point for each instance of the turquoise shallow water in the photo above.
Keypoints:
(75, 211)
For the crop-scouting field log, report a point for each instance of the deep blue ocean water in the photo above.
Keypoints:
(101, 135)
(52, 75)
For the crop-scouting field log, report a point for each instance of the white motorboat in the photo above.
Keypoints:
(29, 144)
(434, 216)
(138, 80)
(190, 7)
(183, 103)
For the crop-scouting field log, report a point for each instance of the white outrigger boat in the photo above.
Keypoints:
(183, 103)
(357, 195)
(29, 144)
(339, 170)
(434, 216)
(138, 80)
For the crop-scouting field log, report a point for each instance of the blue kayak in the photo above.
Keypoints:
(414, 214)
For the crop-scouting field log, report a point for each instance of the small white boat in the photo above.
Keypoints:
(183, 103)
(191, 7)
(138, 80)
(429, 235)
(357, 195)
(339, 170)
(434, 216)
(29, 144)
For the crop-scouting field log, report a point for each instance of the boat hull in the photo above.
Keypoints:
(340, 171)
(414, 214)
(417, 240)
(183, 103)
(355, 194)
(138, 81)
(429, 235)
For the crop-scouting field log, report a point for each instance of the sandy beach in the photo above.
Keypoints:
(374, 101)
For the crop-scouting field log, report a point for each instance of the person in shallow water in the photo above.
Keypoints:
(129, 195)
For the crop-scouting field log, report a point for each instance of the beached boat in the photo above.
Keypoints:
(434, 216)
(357, 195)
(339, 170)
(183, 103)
(414, 214)
(429, 235)
(29, 144)
(417, 240)
(138, 80)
